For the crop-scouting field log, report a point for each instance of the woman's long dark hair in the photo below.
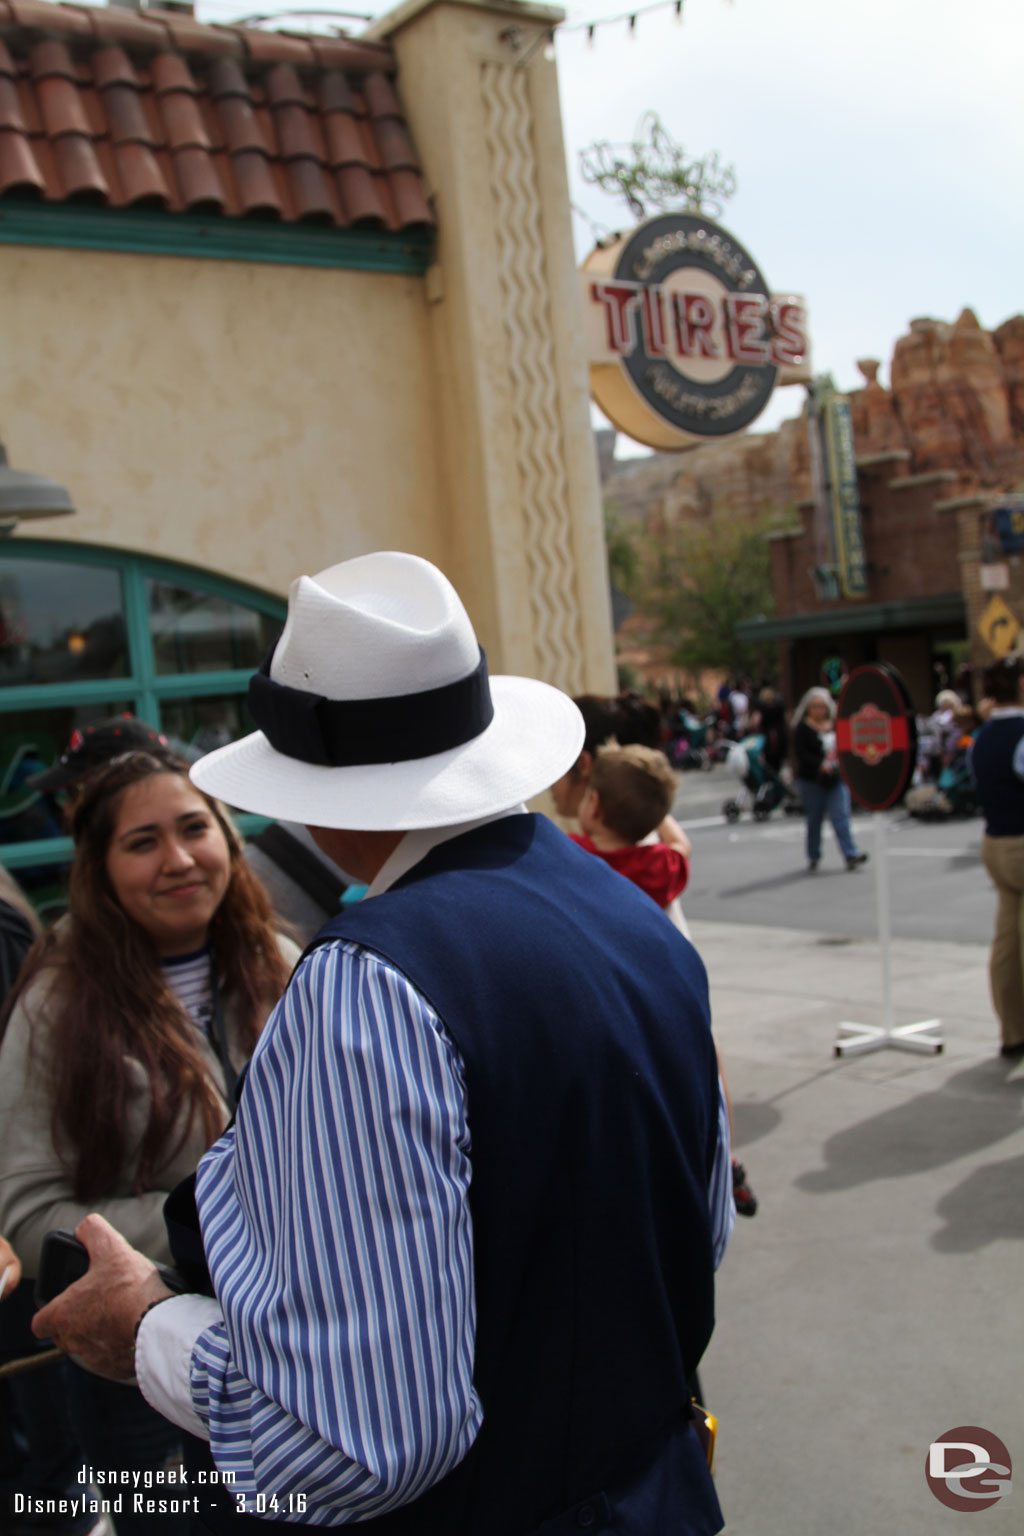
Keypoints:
(109, 1001)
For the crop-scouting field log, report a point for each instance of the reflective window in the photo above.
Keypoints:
(31, 740)
(60, 623)
(195, 726)
(194, 631)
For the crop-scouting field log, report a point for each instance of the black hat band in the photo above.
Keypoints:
(350, 733)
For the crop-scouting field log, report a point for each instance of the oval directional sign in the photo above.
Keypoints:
(876, 735)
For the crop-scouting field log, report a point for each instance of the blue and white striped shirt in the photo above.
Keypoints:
(337, 1230)
(336, 1223)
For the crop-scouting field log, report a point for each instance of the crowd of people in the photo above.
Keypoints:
(416, 1226)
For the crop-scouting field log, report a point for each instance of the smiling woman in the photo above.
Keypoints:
(168, 862)
(121, 1046)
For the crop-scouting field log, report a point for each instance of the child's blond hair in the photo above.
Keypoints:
(636, 787)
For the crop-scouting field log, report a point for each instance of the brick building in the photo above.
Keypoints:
(927, 580)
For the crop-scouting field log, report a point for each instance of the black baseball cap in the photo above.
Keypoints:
(93, 747)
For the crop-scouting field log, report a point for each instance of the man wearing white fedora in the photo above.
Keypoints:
(460, 1238)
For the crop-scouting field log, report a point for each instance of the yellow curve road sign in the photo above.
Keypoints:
(998, 628)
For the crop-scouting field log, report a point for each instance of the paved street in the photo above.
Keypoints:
(873, 1303)
(757, 872)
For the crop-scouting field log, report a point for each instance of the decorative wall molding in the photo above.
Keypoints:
(533, 383)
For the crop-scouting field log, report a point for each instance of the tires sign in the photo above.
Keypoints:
(686, 340)
(876, 736)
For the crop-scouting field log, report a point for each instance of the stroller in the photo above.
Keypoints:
(952, 793)
(762, 786)
(690, 740)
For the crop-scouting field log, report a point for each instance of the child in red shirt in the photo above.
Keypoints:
(629, 796)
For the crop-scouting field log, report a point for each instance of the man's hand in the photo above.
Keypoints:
(10, 1269)
(95, 1319)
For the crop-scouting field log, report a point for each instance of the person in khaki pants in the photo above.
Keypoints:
(997, 762)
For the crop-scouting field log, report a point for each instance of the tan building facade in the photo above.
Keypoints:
(268, 302)
(260, 420)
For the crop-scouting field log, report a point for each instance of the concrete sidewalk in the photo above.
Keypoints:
(875, 1301)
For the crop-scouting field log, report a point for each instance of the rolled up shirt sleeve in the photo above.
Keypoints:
(336, 1225)
(721, 1202)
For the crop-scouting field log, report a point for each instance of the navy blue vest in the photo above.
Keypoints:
(581, 1016)
(1000, 791)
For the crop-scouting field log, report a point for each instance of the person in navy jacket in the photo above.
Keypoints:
(460, 1241)
(997, 763)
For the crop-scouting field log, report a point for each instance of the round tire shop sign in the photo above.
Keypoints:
(876, 736)
(686, 341)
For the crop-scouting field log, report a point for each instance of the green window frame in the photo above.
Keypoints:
(146, 690)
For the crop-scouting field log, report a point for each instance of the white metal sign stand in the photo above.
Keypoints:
(858, 1039)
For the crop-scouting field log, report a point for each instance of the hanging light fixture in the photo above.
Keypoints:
(24, 496)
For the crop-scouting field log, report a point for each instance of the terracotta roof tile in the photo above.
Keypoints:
(140, 175)
(344, 140)
(336, 95)
(297, 135)
(239, 124)
(380, 99)
(283, 87)
(311, 193)
(197, 177)
(112, 66)
(225, 78)
(210, 41)
(11, 115)
(78, 168)
(125, 115)
(170, 72)
(394, 145)
(183, 121)
(277, 47)
(62, 107)
(255, 183)
(19, 171)
(51, 57)
(411, 204)
(47, 19)
(135, 30)
(360, 196)
(157, 110)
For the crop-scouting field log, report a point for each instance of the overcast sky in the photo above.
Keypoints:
(877, 145)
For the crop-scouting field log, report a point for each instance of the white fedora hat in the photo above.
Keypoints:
(376, 712)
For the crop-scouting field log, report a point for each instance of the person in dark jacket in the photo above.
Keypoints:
(460, 1236)
(997, 763)
(817, 773)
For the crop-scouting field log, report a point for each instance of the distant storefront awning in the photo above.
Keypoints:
(879, 618)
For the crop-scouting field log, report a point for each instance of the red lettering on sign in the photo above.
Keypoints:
(652, 314)
(744, 320)
(789, 323)
(694, 316)
(619, 300)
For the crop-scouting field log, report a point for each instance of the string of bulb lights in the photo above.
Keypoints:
(629, 17)
(589, 27)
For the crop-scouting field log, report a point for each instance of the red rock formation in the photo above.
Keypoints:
(1009, 340)
(873, 411)
(950, 402)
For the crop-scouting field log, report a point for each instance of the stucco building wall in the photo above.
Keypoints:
(251, 419)
(262, 420)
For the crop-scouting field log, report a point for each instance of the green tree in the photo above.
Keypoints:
(623, 541)
(656, 172)
(701, 580)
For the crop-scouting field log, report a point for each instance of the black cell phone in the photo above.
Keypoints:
(63, 1260)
